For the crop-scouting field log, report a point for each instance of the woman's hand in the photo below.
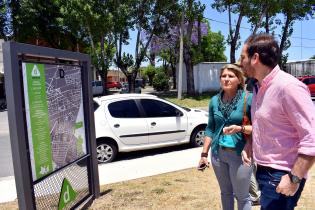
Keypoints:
(203, 163)
(232, 129)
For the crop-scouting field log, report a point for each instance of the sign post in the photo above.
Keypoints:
(51, 126)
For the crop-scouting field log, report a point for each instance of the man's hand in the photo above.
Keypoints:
(247, 154)
(286, 187)
(232, 129)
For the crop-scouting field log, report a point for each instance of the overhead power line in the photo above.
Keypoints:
(295, 37)
(304, 47)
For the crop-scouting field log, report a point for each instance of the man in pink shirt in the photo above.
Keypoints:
(283, 120)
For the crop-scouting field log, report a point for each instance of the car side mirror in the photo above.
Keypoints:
(178, 113)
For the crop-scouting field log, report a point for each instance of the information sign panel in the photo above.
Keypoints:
(54, 115)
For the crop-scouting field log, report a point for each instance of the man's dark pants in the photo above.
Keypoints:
(268, 180)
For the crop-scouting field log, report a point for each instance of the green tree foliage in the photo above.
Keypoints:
(93, 21)
(149, 18)
(313, 57)
(170, 59)
(266, 14)
(280, 13)
(160, 81)
(238, 8)
(293, 11)
(212, 49)
(150, 72)
(40, 22)
(193, 11)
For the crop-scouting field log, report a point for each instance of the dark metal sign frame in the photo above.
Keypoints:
(14, 54)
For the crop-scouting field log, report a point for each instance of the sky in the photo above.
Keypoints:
(302, 38)
(304, 29)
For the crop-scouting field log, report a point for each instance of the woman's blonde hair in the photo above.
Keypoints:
(237, 70)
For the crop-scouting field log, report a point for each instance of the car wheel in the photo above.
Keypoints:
(106, 151)
(197, 136)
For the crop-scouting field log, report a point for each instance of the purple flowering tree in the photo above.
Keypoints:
(167, 45)
(151, 16)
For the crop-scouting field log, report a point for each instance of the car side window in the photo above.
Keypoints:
(124, 109)
(155, 108)
(312, 80)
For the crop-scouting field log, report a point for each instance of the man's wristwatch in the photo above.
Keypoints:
(294, 179)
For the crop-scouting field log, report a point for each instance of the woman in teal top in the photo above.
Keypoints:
(225, 134)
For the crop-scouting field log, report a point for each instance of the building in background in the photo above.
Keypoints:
(301, 68)
(113, 75)
(206, 76)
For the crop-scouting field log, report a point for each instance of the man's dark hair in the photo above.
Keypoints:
(267, 48)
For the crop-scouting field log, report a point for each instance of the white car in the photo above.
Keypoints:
(130, 122)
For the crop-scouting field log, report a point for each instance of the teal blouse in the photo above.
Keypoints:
(217, 122)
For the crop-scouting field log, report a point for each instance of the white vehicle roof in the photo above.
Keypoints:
(123, 96)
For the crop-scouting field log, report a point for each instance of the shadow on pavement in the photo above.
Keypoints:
(150, 152)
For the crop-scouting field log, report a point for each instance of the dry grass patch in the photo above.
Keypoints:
(186, 189)
(182, 190)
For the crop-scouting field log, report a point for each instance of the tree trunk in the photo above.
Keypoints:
(188, 54)
(103, 65)
(189, 72)
(262, 15)
(235, 37)
(173, 68)
(152, 59)
(131, 83)
(232, 53)
(284, 38)
(267, 23)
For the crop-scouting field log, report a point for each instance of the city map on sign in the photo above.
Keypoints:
(55, 118)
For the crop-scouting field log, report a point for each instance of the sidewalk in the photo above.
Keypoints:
(126, 169)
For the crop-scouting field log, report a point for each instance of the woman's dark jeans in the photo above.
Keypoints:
(268, 180)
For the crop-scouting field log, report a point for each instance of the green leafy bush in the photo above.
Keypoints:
(160, 81)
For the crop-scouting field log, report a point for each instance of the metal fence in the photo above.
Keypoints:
(300, 68)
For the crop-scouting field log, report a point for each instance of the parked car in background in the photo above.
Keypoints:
(97, 88)
(140, 83)
(125, 88)
(130, 122)
(113, 85)
(310, 82)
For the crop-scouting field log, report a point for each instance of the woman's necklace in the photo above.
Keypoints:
(226, 104)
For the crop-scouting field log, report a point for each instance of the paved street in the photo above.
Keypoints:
(6, 165)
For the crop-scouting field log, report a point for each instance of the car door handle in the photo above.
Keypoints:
(116, 125)
(153, 123)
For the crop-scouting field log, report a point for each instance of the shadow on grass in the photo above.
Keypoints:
(106, 192)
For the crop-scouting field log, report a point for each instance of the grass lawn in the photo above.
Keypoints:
(201, 100)
(186, 189)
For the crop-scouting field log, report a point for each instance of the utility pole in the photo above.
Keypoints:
(180, 67)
